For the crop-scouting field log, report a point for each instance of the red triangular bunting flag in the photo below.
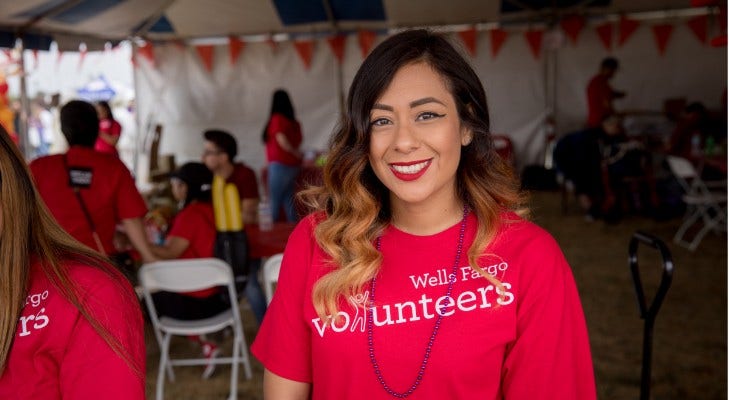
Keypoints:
(719, 41)
(147, 51)
(698, 25)
(626, 28)
(605, 33)
(469, 40)
(572, 26)
(366, 40)
(206, 55)
(305, 48)
(662, 33)
(336, 43)
(498, 37)
(534, 38)
(235, 46)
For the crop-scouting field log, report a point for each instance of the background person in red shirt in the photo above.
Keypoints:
(282, 137)
(600, 94)
(109, 130)
(89, 192)
(192, 236)
(70, 324)
(219, 151)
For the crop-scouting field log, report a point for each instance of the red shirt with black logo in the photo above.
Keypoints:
(110, 197)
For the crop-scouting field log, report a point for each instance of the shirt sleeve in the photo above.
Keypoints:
(283, 342)
(550, 357)
(90, 367)
(115, 129)
(185, 225)
(245, 180)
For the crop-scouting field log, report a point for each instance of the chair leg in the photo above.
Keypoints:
(164, 366)
(234, 370)
(678, 238)
(709, 224)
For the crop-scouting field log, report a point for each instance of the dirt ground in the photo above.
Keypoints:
(690, 335)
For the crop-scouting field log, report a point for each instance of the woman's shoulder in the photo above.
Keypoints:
(102, 283)
(516, 230)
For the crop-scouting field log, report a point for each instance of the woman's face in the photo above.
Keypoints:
(416, 137)
(179, 189)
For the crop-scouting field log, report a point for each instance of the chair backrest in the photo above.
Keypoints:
(681, 167)
(185, 275)
(271, 269)
(686, 175)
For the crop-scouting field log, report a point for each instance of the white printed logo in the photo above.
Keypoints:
(36, 318)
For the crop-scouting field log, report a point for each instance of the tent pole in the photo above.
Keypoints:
(137, 117)
(340, 73)
(24, 105)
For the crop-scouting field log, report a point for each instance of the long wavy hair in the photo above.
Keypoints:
(29, 233)
(354, 205)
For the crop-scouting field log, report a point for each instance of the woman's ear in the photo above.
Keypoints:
(466, 137)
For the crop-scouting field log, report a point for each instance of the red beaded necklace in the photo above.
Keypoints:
(433, 335)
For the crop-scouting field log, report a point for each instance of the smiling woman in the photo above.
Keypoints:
(417, 272)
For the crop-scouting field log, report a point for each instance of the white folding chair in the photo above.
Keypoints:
(703, 205)
(185, 276)
(271, 268)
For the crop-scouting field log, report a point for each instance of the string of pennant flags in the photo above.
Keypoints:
(572, 27)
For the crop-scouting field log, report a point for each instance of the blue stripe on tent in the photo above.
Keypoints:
(292, 12)
(39, 9)
(358, 10)
(85, 10)
(37, 42)
(509, 6)
(163, 25)
(7, 39)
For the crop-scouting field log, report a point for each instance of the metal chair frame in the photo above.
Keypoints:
(704, 205)
(185, 276)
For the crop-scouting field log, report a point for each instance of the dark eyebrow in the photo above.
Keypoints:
(415, 103)
(378, 106)
(425, 100)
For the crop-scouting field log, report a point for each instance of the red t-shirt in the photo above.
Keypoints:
(111, 197)
(533, 344)
(244, 180)
(599, 100)
(110, 127)
(292, 130)
(57, 354)
(196, 224)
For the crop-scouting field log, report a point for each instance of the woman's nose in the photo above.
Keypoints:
(406, 138)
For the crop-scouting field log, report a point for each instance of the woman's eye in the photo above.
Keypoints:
(429, 115)
(379, 122)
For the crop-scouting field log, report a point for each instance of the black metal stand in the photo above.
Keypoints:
(649, 313)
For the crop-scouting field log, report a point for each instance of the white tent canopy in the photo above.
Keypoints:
(180, 93)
